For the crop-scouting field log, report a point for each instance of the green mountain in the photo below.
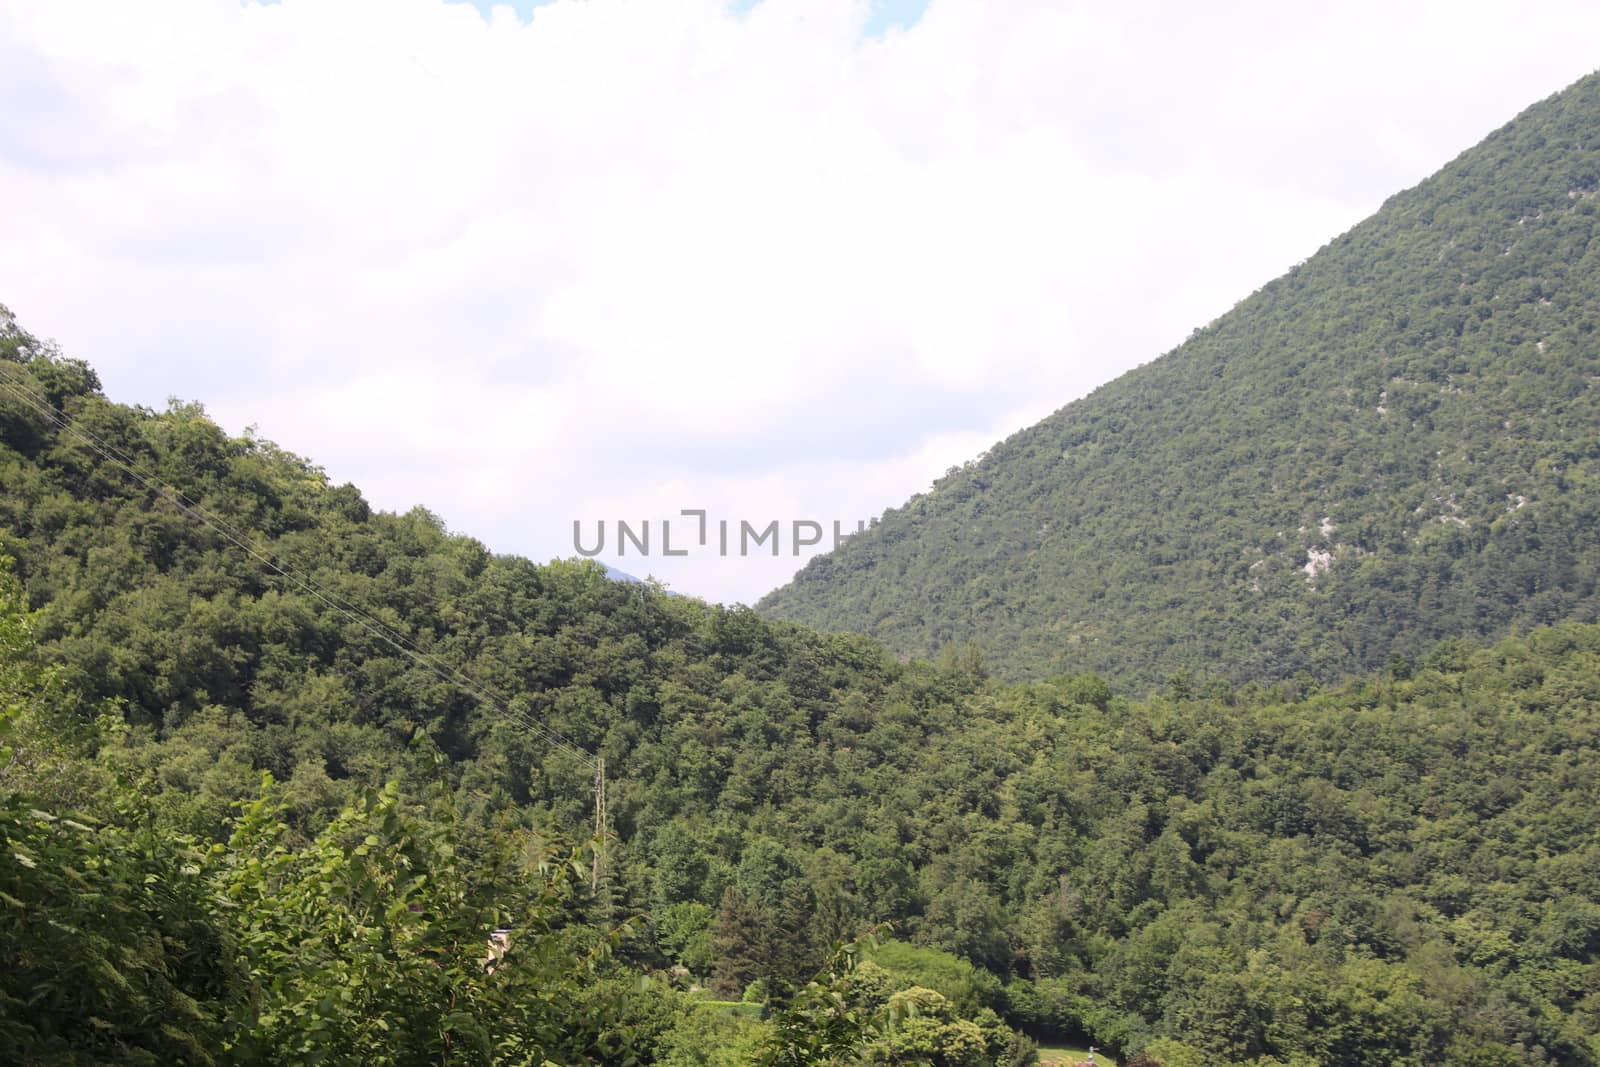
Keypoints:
(1404, 869)
(1393, 443)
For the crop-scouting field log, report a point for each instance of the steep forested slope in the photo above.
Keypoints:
(1405, 869)
(1395, 442)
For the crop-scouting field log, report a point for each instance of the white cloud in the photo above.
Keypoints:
(634, 257)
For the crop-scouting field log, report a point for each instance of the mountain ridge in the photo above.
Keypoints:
(1388, 445)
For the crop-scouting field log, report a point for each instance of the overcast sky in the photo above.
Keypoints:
(601, 259)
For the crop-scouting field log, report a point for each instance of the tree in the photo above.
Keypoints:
(736, 937)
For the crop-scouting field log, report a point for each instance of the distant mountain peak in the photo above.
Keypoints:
(1393, 443)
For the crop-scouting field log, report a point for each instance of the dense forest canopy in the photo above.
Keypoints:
(1392, 444)
(1403, 868)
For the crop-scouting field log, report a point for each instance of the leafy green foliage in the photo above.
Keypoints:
(966, 987)
(1392, 444)
(711, 1035)
(828, 1019)
(108, 949)
(1399, 869)
(379, 943)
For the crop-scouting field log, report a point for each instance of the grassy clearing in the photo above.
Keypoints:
(1069, 1056)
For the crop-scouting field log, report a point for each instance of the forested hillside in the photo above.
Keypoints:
(1404, 869)
(1396, 442)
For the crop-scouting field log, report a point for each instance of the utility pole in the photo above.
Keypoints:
(601, 829)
